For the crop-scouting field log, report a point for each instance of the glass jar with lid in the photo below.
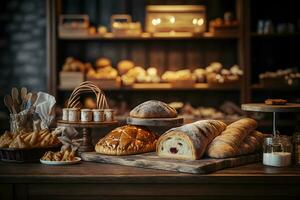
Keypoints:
(277, 151)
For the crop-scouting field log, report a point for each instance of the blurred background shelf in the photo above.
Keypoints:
(164, 86)
(144, 37)
(275, 35)
(283, 88)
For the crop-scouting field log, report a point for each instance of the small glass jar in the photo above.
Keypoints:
(65, 114)
(296, 141)
(277, 151)
(21, 121)
(109, 114)
(98, 115)
(73, 114)
(86, 115)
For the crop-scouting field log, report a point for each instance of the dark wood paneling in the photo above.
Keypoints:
(6, 191)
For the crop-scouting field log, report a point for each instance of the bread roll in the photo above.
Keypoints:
(153, 109)
(124, 66)
(103, 62)
(127, 140)
(228, 143)
(189, 141)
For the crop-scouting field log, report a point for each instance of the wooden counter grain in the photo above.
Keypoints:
(105, 181)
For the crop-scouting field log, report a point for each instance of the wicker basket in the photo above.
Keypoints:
(87, 87)
(24, 155)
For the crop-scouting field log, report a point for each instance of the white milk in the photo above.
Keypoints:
(277, 159)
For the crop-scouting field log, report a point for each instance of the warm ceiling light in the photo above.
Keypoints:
(172, 20)
(200, 21)
(195, 20)
(156, 21)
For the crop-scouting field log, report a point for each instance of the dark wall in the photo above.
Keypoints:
(22, 46)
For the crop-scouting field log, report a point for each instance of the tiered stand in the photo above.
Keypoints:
(261, 107)
(74, 102)
(86, 128)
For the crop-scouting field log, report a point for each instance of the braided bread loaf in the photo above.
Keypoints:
(189, 141)
(234, 141)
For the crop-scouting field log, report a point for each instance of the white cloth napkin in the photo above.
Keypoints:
(44, 107)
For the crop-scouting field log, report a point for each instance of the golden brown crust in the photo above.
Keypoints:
(275, 101)
(127, 140)
(231, 141)
(198, 135)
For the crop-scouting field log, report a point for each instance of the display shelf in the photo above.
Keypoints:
(148, 37)
(275, 35)
(260, 87)
(164, 86)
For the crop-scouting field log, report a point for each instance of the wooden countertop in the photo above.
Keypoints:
(87, 172)
(106, 181)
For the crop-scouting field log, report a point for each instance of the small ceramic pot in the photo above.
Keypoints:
(65, 114)
(86, 115)
(73, 114)
(109, 114)
(98, 115)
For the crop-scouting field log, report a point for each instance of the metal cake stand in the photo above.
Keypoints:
(261, 107)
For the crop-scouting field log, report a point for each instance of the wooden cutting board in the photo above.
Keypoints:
(152, 161)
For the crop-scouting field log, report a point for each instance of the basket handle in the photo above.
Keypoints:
(87, 87)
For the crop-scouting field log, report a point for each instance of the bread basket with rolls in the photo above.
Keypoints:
(30, 135)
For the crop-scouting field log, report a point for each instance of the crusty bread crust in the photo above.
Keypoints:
(230, 142)
(198, 135)
(153, 109)
(127, 140)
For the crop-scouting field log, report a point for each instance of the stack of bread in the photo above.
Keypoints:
(131, 139)
(180, 75)
(212, 137)
(104, 70)
(66, 155)
(74, 65)
(135, 74)
(217, 74)
(191, 141)
(36, 139)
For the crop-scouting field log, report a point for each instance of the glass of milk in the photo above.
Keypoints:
(277, 151)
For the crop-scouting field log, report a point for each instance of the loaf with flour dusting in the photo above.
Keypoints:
(153, 109)
(189, 141)
(231, 141)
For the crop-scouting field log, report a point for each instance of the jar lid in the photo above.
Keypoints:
(73, 109)
(98, 110)
(86, 110)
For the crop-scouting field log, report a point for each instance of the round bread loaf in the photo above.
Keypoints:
(103, 62)
(153, 109)
(127, 140)
(124, 66)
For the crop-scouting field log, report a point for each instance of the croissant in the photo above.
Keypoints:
(229, 143)
(6, 139)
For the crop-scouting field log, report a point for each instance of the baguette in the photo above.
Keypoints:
(228, 143)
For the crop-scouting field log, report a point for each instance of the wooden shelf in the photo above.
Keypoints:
(260, 87)
(147, 37)
(163, 87)
(275, 35)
